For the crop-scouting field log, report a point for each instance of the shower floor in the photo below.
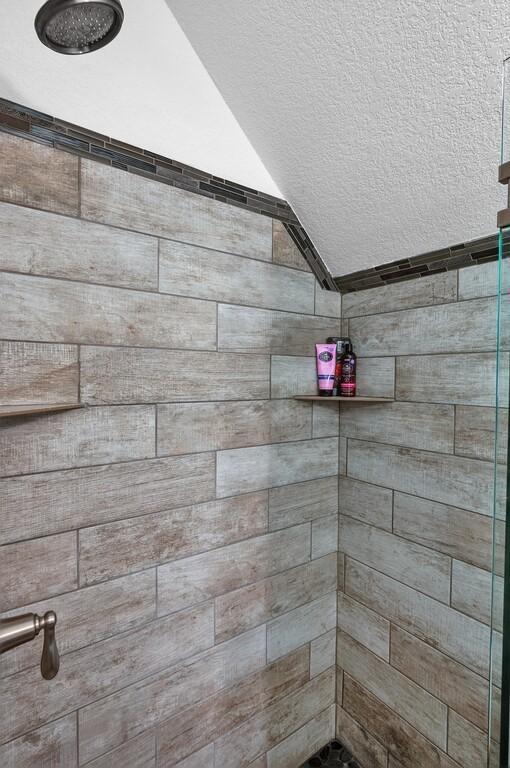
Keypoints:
(333, 754)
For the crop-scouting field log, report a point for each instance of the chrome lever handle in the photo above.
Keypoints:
(21, 629)
(50, 659)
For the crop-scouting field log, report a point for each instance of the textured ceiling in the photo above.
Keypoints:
(379, 121)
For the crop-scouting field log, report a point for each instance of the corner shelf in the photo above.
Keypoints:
(357, 400)
(6, 411)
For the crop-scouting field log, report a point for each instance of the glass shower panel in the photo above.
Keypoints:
(499, 702)
(500, 613)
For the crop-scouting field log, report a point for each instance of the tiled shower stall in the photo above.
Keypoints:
(183, 521)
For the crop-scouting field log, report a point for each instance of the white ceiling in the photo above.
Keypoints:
(378, 120)
(148, 88)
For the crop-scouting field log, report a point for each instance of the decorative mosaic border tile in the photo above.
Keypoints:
(333, 755)
(461, 255)
(36, 126)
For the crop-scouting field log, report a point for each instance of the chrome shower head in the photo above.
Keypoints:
(78, 26)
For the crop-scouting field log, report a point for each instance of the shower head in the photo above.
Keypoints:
(78, 26)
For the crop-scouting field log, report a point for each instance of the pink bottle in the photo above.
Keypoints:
(326, 364)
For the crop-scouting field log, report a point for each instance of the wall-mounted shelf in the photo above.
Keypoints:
(358, 400)
(6, 411)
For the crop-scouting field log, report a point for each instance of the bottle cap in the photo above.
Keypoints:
(341, 343)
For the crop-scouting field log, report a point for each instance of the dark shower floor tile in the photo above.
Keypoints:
(333, 754)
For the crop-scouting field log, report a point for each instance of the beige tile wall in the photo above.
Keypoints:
(415, 532)
(183, 525)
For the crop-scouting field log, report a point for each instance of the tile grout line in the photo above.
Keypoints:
(79, 188)
(77, 738)
(116, 288)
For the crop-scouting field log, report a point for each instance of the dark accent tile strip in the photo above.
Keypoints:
(36, 126)
(307, 248)
(462, 255)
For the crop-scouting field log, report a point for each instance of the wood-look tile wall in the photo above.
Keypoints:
(184, 523)
(415, 530)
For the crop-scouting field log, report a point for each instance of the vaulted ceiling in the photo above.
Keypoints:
(378, 120)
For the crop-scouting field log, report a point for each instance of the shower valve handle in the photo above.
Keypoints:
(50, 659)
(21, 629)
